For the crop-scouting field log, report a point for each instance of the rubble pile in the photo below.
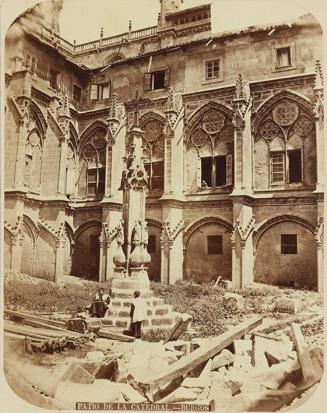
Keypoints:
(239, 370)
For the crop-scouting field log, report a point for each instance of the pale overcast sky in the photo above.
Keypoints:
(81, 20)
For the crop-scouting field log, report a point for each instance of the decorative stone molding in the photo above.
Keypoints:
(117, 118)
(318, 107)
(319, 232)
(30, 114)
(170, 232)
(175, 109)
(243, 232)
(242, 102)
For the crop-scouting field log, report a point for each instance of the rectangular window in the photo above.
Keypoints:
(212, 69)
(94, 243)
(295, 166)
(91, 181)
(220, 170)
(283, 57)
(206, 172)
(53, 79)
(157, 178)
(77, 93)
(288, 243)
(152, 244)
(33, 65)
(156, 80)
(277, 170)
(100, 92)
(215, 244)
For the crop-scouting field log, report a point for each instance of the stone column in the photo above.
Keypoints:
(16, 253)
(320, 268)
(101, 259)
(59, 267)
(319, 125)
(20, 155)
(61, 188)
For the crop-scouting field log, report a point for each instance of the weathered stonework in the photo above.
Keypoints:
(67, 134)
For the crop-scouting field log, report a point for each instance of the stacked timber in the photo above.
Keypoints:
(40, 334)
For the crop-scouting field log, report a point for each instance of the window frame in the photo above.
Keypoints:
(286, 167)
(53, 81)
(148, 166)
(148, 79)
(219, 245)
(288, 247)
(276, 67)
(97, 90)
(79, 89)
(206, 64)
(228, 171)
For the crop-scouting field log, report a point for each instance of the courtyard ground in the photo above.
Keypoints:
(211, 315)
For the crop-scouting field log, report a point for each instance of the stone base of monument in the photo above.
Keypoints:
(160, 315)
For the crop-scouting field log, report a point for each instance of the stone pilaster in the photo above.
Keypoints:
(319, 126)
(242, 245)
(319, 237)
(171, 243)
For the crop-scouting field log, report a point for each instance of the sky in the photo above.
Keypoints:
(81, 20)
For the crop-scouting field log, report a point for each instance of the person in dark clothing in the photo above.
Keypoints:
(100, 305)
(138, 314)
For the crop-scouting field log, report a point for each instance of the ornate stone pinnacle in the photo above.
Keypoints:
(319, 80)
(242, 89)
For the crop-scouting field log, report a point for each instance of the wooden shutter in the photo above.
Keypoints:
(166, 84)
(106, 91)
(147, 81)
(94, 92)
(229, 170)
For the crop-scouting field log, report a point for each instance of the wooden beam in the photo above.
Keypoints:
(200, 355)
(308, 368)
(106, 333)
(31, 317)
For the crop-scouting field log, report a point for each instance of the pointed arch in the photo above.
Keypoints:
(25, 101)
(96, 125)
(74, 139)
(69, 232)
(261, 228)
(268, 104)
(150, 116)
(31, 226)
(198, 113)
(153, 222)
(86, 225)
(203, 221)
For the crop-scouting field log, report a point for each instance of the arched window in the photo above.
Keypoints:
(33, 161)
(154, 153)
(288, 156)
(92, 168)
(209, 151)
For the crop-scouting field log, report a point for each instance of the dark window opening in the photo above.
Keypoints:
(288, 243)
(102, 178)
(158, 79)
(155, 172)
(220, 170)
(53, 79)
(295, 166)
(77, 93)
(94, 243)
(283, 57)
(152, 244)
(206, 172)
(215, 244)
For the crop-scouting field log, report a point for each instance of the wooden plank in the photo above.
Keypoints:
(106, 333)
(179, 328)
(31, 317)
(200, 355)
(61, 330)
(27, 330)
(302, 349)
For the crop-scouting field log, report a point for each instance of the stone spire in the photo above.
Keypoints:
(319, 79)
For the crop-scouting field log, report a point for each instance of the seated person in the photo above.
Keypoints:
(100, 305)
